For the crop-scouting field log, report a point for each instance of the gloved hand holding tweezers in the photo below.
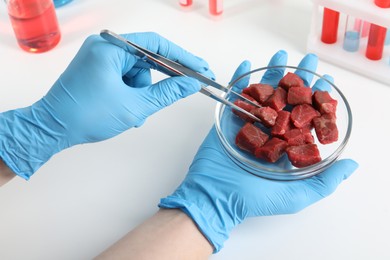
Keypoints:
(101, 94)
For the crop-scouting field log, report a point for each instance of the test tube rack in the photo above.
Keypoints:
(334, 53)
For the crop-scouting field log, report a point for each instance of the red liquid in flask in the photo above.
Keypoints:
(35, 24)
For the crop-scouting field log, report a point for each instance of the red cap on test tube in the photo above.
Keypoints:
(330, 24)
(376, 42)
(185, 2)
(215, 7)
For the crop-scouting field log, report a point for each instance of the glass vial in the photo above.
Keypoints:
(330, 24)
(382, 3)
(376, 42)
(185, 2)
(365, 29)
(59, 3)
(216, 7)
(35, 24)
(386, 55)
(352, 34)
(387, 40)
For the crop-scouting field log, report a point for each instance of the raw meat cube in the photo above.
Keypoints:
(249, 97)
(309, 126)
(298, 136)
(303, 155)
(302, 115)
(299, 95)
(266, 114)
(282, 123)
(260, 92)
(250, 137)
(244, 105)
(324, 103)
(278, 100)
(326, 128)
(272, 150)
(291, 80)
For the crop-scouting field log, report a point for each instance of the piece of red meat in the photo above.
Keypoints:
(260, 92)
(272, 150)
(246, 106)
(324, 103)
(326, 128)
(298, 136)
(267, 115)
(299, 95)
(282, 124)
(303, 155)
(250, 98)
(250, 138)
(291, 80)
(302, 115)
(278, 100)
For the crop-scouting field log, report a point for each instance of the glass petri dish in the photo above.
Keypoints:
(228, 125)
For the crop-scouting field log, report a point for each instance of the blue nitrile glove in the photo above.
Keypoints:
(100, 95)
(218, 195)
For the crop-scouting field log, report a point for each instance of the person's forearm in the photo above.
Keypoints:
(5, 173)
(169, 234)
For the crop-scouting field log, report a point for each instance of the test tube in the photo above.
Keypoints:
(386, 54)
(365, 29)
(330, 24)
(185, 2)
(376, 42)
(387, 40)
(216, 7)
(352, 34)
(382, 3)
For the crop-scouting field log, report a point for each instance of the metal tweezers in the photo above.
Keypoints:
(155, 61)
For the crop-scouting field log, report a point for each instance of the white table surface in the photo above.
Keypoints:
(88, 196)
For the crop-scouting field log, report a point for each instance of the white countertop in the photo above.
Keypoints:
(88, 196)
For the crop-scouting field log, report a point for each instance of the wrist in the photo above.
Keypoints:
(168, 234)
(211, 212)
(28, 138)
(5, 173)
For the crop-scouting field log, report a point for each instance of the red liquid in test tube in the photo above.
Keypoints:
(330, 24)
(216, 7)
(185, 2)
(376, 42)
